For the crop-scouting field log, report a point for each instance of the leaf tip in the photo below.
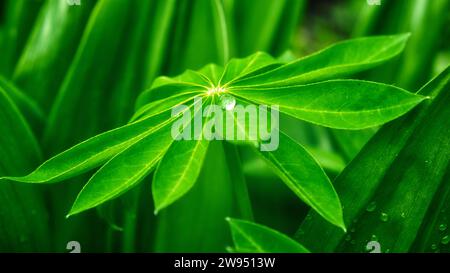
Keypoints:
(74, 210)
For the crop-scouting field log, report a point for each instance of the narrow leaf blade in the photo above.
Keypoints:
(251, 237)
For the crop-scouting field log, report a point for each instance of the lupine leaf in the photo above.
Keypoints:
(303, 175)
(112, 179)
(338, 60)
(134, 150)
(178, 171)
(342, 104)
(92, 152)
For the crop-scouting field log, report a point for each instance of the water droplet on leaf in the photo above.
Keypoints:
(442, 227)
(371, 207)
(433, 246)
(227, 102)
(374, 238)
(384, 217)
(445, 240)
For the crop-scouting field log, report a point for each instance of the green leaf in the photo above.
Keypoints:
(23, 215)
(180, 167)
(204, 37)
(251, 237)
(84, 86)
(204, 207)
(178, 171)
(190, 82)
(163, 18)
(28, 107)
(92, 152)
(112, 179)
(14, 127)
(342, 104)
(402, 167)
(346, 104)
(212, 72)
(220, 31)
(161, 105)
(17, 21)
(239, 68)
(338, 60)
(56, 32)
(264, 25)
(303, 175)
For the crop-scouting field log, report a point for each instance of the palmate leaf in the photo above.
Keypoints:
(254, 238)
(133, 151)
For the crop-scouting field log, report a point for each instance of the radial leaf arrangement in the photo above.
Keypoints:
(308, 89)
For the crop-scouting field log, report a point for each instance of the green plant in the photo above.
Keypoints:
(131, 152)
(363, 157)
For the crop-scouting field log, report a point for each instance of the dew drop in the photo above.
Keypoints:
(374, 238)
(227, 102)
(445, 240)
(433, 246)
(384, 217)
(371, 207)
(442, 227)
(403, 215)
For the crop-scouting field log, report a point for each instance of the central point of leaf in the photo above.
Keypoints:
(215, 90)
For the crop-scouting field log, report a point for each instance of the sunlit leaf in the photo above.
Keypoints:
(343, 104)
(338, 60)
